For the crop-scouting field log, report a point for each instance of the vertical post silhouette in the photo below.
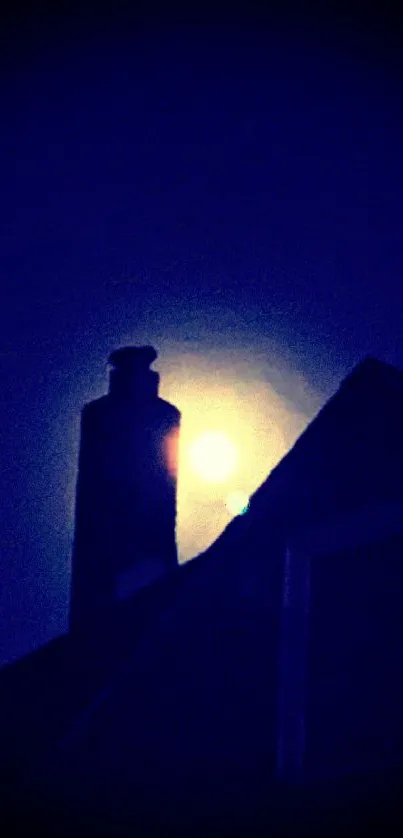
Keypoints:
(126, 489)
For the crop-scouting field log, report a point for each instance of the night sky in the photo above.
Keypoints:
(233, 195)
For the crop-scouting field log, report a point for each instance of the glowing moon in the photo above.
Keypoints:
(213, 456)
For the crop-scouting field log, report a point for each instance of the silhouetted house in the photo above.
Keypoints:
(126, 490)
(273, 660)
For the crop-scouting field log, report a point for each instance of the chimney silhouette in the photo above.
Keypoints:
(126, 489)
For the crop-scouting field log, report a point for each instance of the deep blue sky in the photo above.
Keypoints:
(222, 191)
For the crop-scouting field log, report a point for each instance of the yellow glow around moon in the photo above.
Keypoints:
(231, 395)
(213, 456)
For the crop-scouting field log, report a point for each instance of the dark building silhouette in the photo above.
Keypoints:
(271, 664)
(126, 490)
(341, 655)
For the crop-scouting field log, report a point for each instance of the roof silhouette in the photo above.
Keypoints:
(203, 643)
(357, 432)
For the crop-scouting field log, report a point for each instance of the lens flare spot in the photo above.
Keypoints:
(237, 503)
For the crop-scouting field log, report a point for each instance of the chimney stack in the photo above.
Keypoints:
(126, 489)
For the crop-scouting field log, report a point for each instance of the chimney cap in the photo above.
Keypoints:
(132, 357)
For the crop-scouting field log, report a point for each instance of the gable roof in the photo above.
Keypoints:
(349, 456)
